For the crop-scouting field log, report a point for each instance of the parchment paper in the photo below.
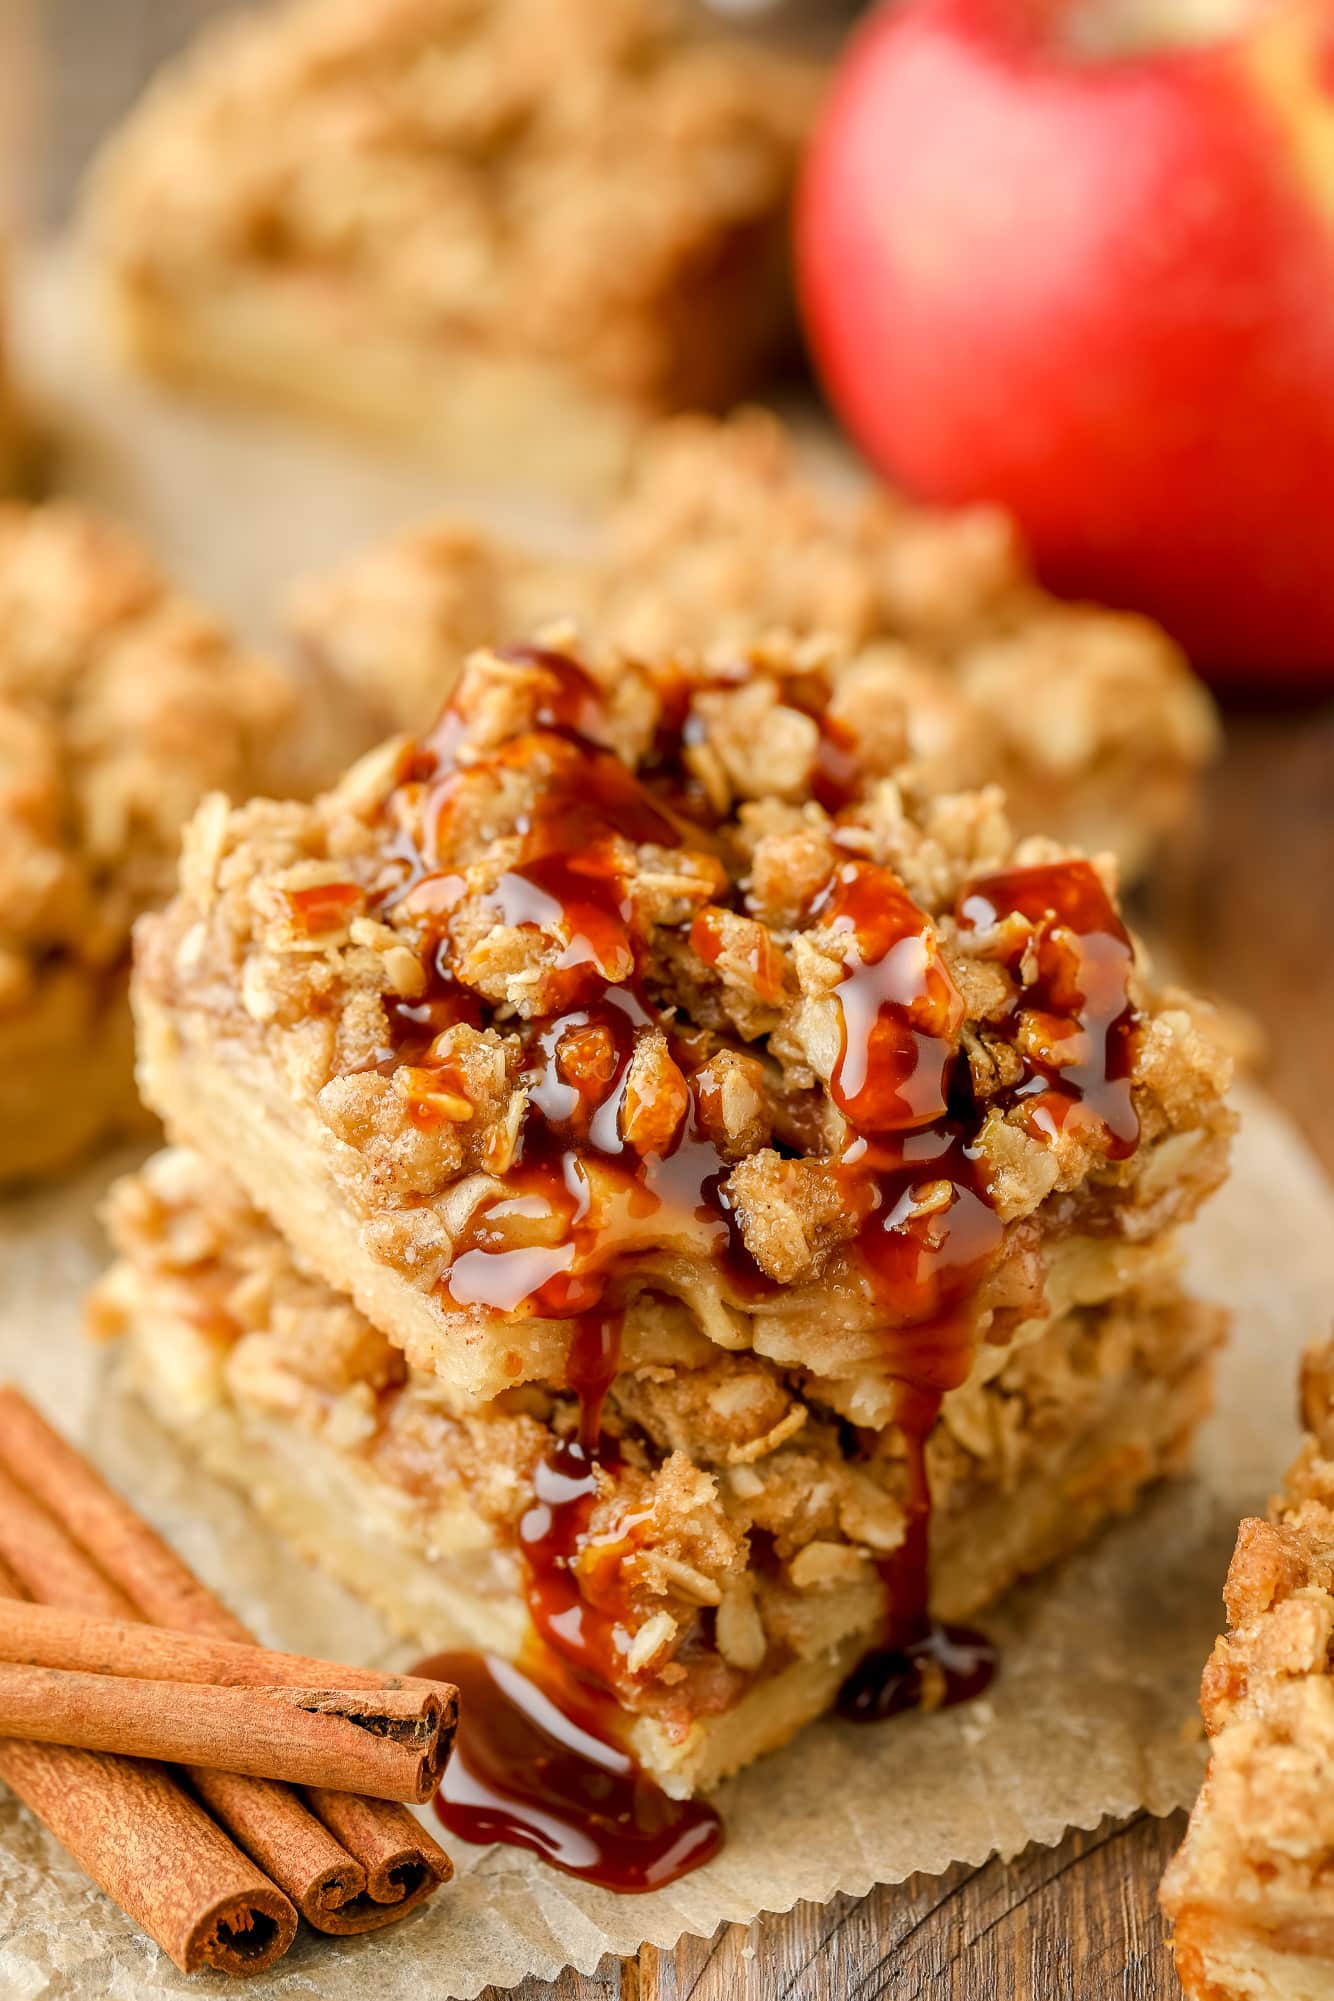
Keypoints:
(1094, 1709)
(1091, 1714)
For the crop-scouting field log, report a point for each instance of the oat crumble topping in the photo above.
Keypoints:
(479, 946)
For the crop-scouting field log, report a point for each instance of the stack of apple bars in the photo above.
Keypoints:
(654, 1192)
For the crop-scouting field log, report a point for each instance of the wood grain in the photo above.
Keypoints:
(1245, 905)
(1073, 1923)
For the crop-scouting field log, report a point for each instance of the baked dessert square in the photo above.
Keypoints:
(579, 991)
(1251, 1890)
(706, 1206)
(506, 230)
(1090, 720)
(734, 1559)
(121, 705)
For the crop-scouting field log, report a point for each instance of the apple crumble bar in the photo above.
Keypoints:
(775, 1168)
(1251, 1891)
(509, 230)
(968, 672)
(121, 705)
(750, 1584)
(601, 900)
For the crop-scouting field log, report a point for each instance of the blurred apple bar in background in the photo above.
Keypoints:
(967, 672)
(508, 232)
(121, 704)
(1251, 1890)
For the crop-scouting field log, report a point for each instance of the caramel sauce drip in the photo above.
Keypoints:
(575, 1592)
(1074, 1022)
(901, 1012)
(929, 1237)
(837, 777)
(580, 1200)
(579, 1192)
(939, 1666)
(527, 1771)
(537, 1762)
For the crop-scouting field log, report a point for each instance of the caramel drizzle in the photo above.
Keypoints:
(1072, 1019)
(529, 1770)
(583, 1202)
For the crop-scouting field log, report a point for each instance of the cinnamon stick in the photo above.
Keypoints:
(327, 1876)
(278, 1832)
(34, 1635)
(46, 1563)
(154, 1851)
(157, 1854)
(132, 1556)
(387, 1839)
(269, 1821)
(378, 1741)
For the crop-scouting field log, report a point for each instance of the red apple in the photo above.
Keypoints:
(1046, 261)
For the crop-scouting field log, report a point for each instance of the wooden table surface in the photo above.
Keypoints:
(1246, 903)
